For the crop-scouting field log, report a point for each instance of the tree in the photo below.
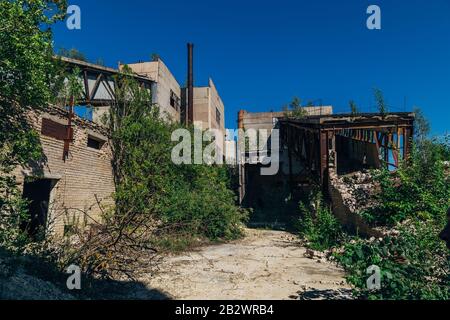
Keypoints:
(421, 126)
(295, 103)
(27, 71)
(295, 109)
(353, 108)
(73, 54)
(193, 198)
(27, 82)
(155, 57)
(381, 104)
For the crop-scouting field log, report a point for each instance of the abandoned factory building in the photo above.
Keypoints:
(316, 150)
(74, 184)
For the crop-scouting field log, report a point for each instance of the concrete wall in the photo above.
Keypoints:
(202, 107)
(216, 103)
(165, 82)
(353, 155)
(267, 120)
(206, 101)
(254, 188)
(352, 221)
(83, 178)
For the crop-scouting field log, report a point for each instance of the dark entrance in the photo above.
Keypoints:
(37, 192)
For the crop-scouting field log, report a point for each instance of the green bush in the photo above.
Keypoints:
(414, 200)
(28, 77)
(420, 189)
(413, 264)
(318, 225)
(189, 200)
(13, 210)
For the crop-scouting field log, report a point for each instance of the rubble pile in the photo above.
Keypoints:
(357, 190)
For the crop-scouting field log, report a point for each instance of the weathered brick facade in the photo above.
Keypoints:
(82, 181)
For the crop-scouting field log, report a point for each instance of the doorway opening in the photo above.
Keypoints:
(37, 193)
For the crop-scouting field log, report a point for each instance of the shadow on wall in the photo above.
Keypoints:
(273, 202)
(33, 278)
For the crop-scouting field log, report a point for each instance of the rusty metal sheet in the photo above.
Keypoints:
(53, 129)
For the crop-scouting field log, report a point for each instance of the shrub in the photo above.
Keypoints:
(318, 224)
(28, 76)
(413, 264)
(13, 210)
(414, 261)
(186, 199)
(420, 189)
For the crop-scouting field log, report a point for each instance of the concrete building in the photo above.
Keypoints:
(166, 91)
(316, 151)
(74, 183)
(209, 109)
(269, 196)
(209, 112)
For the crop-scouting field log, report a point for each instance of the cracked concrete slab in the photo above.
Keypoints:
(264, 265)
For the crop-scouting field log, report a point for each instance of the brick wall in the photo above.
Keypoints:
(81, 181)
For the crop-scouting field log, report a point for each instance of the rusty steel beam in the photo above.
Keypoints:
(69, 130)
(323, 155)
(407, 143)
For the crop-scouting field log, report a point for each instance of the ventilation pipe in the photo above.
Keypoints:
(190, 85)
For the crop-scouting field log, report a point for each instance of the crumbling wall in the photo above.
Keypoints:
(81, 182)
(349, 196)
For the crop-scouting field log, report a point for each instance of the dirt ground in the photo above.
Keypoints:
(264, 265)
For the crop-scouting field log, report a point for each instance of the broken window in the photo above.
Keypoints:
(218, 116)
(94, 143)
(174, 100)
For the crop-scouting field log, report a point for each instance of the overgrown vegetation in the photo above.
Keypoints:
(159, 205)
(27, 74)
(193, 198)
(73, 54)
(381, 104)
(419, 190)
(317, 224)
(295, 109)
(353, 108)
(414, 263)
(412, 203)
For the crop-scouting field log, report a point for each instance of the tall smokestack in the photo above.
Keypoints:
(190, 84)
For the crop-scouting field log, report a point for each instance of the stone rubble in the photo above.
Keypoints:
(357, 190)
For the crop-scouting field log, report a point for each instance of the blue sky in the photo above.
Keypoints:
(261, 54)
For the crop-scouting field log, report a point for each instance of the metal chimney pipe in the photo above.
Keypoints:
(190, 84)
